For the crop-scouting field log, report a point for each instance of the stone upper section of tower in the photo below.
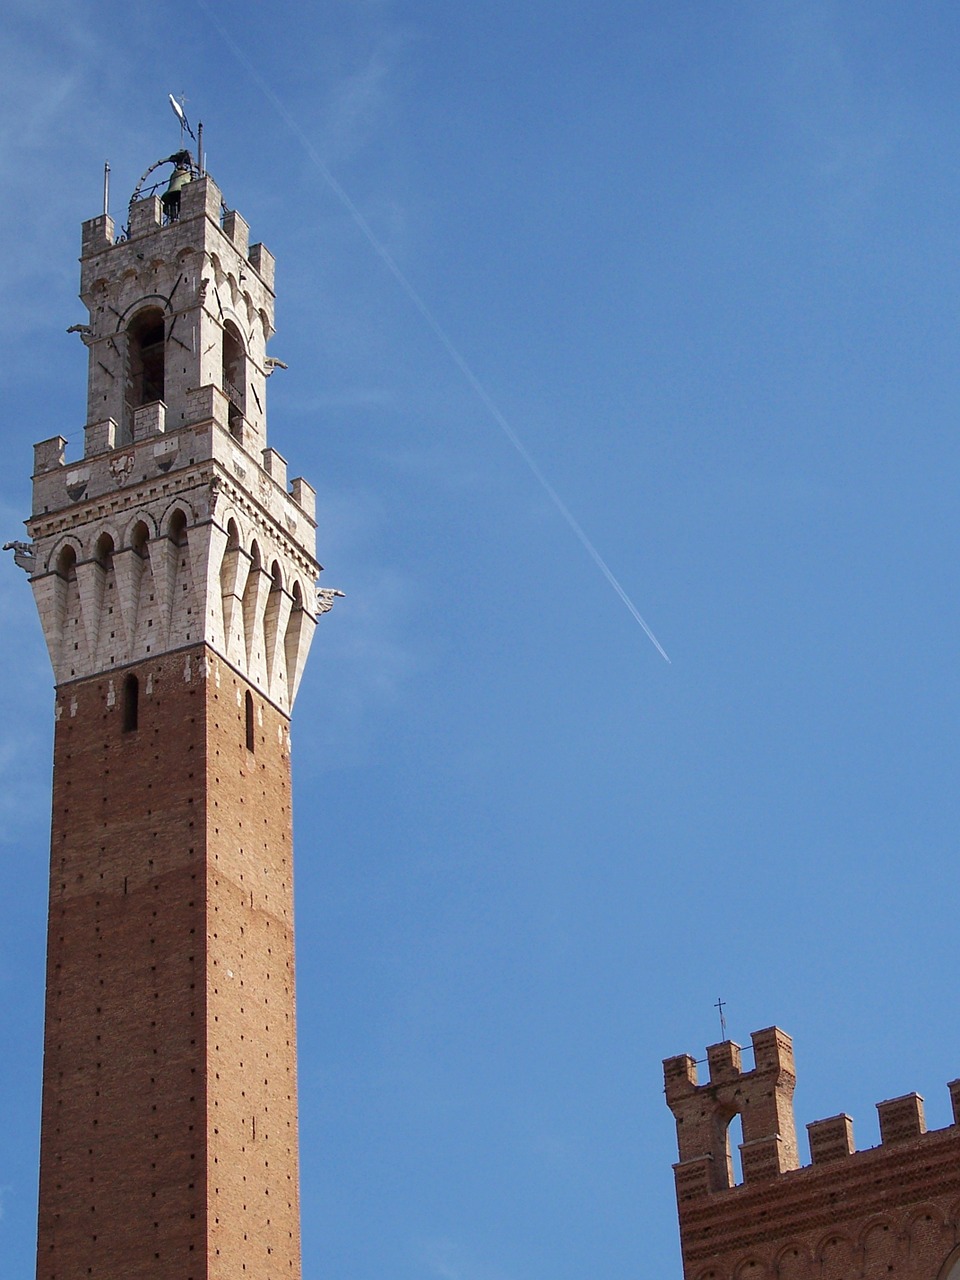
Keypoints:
(177, 526)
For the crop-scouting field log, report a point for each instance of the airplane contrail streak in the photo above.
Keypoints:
(439, 332)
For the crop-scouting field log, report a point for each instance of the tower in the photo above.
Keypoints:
(174, 572)
(848, 1215)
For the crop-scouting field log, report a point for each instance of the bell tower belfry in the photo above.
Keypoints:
(174, 571)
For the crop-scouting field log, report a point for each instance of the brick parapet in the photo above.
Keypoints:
(848, 1215)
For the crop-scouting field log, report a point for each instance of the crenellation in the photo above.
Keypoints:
(237, 231)
(99, 437)
(145, 217)
(97, 235)
(49, 454)
(954, 1087)
(149, 420)
(901, 1119)
(848, 1215)
(264, 263)
(830, 1139)
(305, 496)
(725, 1061)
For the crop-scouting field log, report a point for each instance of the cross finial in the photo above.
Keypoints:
(720, 1006)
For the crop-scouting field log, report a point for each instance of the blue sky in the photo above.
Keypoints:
(703, 257)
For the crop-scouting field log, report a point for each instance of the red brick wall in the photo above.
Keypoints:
(168, 1144)
(883, 1212)
(849, 1215)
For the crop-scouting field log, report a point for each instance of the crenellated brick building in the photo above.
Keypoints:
(893, 1210)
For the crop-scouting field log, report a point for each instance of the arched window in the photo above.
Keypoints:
(145, 358)
(130, 704)
(139, 539)
(103, 551)
(234, 377)
(248, 711)
(177, 529)
(67, 563)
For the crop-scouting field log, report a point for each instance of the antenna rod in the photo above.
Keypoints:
(106, 187)
(200, 148)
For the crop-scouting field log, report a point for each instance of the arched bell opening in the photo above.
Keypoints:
(146, 348)
(234, 378)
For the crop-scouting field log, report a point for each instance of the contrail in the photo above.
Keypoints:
(439, 332)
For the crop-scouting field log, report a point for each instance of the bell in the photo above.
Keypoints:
(170, 199)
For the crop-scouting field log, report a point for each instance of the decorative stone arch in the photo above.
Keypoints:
(219, 273)
(64, 556)
(265, 324)
(112, 531)
(951, 1266)
(256, 555)
(176, 520)
(104, 548)
(146, 301)
(232, 525)
(711, 1273)
(276, 576)
(141, 523)
(185, 255)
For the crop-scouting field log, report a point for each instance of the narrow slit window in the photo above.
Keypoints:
(248, 707)
(131, 703)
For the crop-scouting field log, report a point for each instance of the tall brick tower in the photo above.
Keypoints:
(174, 572)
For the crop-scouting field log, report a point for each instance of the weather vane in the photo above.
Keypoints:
(181, 115)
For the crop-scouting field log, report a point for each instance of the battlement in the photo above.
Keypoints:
(176, 305)
(781, 1208)
(178, 525)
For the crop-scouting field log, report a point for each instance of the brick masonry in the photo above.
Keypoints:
(893, 1210)
(169, 1138)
